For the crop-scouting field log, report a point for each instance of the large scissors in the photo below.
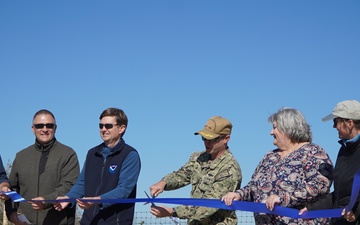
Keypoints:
(174, 219)
(152, 204)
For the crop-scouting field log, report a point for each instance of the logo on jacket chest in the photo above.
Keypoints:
(112, 168)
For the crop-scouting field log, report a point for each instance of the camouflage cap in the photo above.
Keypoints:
(215, 127)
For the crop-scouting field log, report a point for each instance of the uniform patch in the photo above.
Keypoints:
(112, 168)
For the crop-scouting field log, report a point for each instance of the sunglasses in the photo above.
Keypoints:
(212, 140)
(107, 125)
(42, 125)
(338, 120)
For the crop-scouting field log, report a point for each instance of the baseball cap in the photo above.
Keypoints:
(215, 127)
(348, 109)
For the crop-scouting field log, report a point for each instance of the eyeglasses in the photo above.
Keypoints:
(338, 120)
(42, 125)
(107, 125)
(215, 140)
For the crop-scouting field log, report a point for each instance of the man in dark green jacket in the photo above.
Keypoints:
(43, 171)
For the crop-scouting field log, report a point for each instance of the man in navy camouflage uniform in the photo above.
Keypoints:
(212, 173)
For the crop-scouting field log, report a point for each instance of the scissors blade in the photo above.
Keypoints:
(152, 204)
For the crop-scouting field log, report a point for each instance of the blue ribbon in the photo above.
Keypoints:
(14, 196)
(217, 203)
(354, 191)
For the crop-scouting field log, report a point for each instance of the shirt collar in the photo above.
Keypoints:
(355, 139)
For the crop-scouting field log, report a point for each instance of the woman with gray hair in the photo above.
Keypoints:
(295, 173)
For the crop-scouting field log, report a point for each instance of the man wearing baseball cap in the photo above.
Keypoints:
(346, 118)
(212, 173)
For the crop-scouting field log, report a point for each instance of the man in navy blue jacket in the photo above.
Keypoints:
(111, 171)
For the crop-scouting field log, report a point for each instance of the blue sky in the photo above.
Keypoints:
(171, 65)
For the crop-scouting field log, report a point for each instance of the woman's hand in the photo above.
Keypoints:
(271, 201)
(303, 210)
(231, 196)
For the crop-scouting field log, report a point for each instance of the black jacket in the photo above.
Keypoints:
(347, 163)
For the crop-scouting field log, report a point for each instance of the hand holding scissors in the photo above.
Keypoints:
(152, 204)
(161, 211)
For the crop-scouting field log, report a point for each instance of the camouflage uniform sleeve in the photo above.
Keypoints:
(215, 184)
(182, 176)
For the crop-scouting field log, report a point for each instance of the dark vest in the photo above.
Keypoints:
(101, 176)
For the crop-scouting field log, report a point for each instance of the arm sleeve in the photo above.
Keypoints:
(181, 177)
(78, 190)
(324, 203)
(356, 210)
(129, 175)
(3, 176)
(246, 192)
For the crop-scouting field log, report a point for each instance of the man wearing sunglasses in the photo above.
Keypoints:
(43, 171)
(111, 171)
(212, 173)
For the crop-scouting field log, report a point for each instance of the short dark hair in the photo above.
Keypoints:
(120, 116)
(44, 111)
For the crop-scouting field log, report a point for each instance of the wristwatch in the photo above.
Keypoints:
(174, 214)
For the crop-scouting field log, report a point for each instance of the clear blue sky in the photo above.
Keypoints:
(171, 65)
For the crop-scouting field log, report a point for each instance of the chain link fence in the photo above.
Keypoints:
(146, 218)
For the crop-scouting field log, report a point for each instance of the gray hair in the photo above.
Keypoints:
(293, 124)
